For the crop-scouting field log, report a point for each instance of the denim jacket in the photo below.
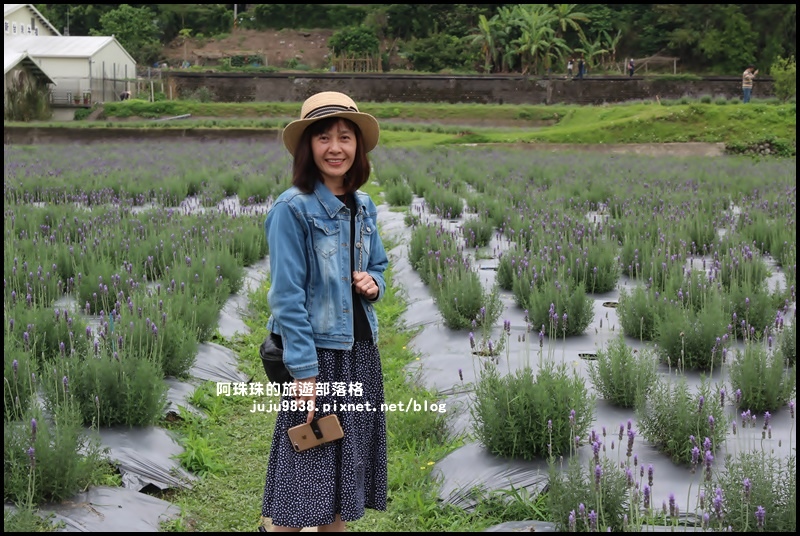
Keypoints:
(310, 294)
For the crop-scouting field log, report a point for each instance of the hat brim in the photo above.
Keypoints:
(370, 130)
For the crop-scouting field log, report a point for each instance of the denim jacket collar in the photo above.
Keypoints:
(330, 202)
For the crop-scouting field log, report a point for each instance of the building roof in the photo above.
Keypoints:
(61, 46)
(11, 59)
(8, 9)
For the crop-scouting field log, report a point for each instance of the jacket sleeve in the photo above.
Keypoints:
(378, 260)
(286, 232)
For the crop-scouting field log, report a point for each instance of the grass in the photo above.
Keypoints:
(436, 124)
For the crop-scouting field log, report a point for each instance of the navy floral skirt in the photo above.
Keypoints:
(307, 489)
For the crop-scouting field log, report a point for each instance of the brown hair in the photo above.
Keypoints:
(305, 173)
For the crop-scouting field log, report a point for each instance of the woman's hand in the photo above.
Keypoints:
(306, 390)
(365, 285)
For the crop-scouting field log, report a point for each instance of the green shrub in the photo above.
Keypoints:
(758, 478)
(477, 232)
(527, 415)
(461, 299)
(563, 311)
(787, 343)
(621, 374)
(575, 493)
(637, 313)
(48, 459)
(689, 339)
(18, 380)
(399, 195)
(676, 420)
(760, 378)
(110, 389)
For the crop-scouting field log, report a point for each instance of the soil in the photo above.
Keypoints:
(277, 47)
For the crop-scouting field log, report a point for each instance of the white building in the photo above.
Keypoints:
(21, 20)
(85, 69)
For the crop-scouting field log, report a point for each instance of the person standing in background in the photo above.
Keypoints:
(747, 82)
(570, 65)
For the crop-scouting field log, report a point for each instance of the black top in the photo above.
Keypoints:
(361, 329)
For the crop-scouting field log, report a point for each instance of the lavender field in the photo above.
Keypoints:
(122, 260)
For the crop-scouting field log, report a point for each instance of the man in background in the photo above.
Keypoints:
(747, 82)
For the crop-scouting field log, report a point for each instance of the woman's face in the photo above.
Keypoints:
(334, 151)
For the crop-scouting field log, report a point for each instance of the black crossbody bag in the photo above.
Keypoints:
(272, 359)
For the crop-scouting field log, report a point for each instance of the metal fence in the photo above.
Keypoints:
(85, 91)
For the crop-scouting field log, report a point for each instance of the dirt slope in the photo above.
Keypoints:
(277, 46)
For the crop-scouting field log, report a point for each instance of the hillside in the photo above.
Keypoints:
(308, 47)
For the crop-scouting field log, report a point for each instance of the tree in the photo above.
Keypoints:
(135, 29)
(566, 17)
(784, 74)
(485, 40)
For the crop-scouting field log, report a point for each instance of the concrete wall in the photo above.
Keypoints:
(268, 87)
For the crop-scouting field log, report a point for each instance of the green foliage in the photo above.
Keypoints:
(356, 41)
(477, 232)
(462, 300)
(564, 310)
(199, 456)
(133, 27)
(399, 195)
(637, 313)
(761, 378)
(621, 374)
(18, 380)
(527, 415)
(48, 458)
(444, 202)
(575, 486)
(109, 389)
(787, 343)
(784, 75)
(437, 53)
(670, 416)
(688, 339)
(280, 16)
(759, 478)
(26, 101)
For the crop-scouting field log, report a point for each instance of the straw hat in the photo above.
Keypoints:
(331, 104)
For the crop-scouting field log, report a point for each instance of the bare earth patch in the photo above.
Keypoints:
(277, 47)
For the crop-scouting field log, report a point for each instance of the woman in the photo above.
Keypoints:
(326, 268)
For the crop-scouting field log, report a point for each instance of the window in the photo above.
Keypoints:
(30, 30)
(36, 31)
(14, 28)
(6, 26)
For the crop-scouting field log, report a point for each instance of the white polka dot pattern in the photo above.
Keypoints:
(307, 489)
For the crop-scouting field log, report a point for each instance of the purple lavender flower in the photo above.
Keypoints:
(571, 521)
(760, 514)
(746, 484)
(717, 503)
(33, 429)
(709, 459)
